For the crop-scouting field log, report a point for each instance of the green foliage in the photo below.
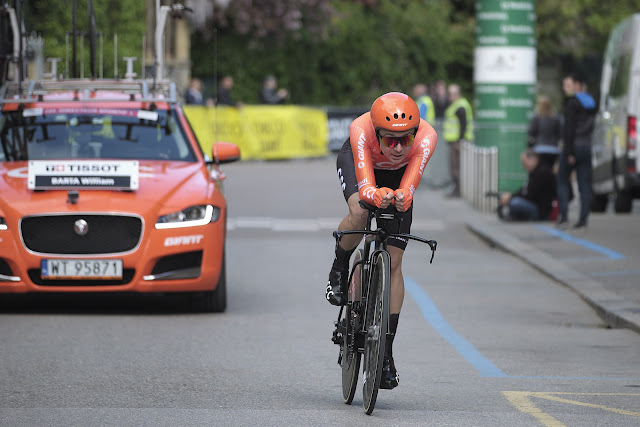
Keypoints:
(578, 28)
(53, 20)
(369, 50)
(332, 52)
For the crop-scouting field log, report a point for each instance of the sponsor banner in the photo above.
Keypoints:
(261, 131)
(504, 103)
(506, 65)
(501, 119)
(99, 174)
(505, 82)
(505, 23)
(339, 122)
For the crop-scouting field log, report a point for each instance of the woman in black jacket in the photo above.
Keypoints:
(545, 127)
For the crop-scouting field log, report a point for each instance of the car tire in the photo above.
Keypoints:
(599, 203)
(624, 201)
(212, 301)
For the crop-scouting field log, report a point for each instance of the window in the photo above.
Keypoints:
(620, 78)
(77, 133)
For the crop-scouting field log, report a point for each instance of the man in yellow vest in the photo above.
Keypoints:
(458, 127)
(425, 104)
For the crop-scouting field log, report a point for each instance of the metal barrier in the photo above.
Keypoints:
(478, 176)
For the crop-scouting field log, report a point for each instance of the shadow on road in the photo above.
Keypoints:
(95, 303)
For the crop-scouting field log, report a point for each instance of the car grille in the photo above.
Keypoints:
(127, 276)
(55, 234)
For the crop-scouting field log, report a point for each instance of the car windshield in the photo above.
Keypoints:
(92, 133)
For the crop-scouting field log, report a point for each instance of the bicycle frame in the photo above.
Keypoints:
(362, 330)
(375, 242)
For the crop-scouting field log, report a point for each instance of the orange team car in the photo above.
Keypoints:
(104, 188)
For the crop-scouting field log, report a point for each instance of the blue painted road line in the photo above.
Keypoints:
(464, 347)
(583, 260)
(609, 253)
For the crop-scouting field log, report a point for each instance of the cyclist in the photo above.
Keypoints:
(382, 164)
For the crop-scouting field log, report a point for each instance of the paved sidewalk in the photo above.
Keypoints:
(601, 264)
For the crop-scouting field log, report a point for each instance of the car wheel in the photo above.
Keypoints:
(623, 201)
(212, 301)
(599, 203)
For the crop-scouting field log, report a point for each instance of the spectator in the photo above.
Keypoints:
(270, 94)
(579, 114)
(224, 96)
(545, 127)
(534, 200)
(193, 95)
(440, 99)
(457, 128)
(425, 104)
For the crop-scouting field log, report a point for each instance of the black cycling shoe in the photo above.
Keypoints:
(336, 292)
(390, 377)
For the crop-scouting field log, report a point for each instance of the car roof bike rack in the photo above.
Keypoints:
(158, 89)
(138, 90)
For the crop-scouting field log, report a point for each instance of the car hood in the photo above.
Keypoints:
(161, 184)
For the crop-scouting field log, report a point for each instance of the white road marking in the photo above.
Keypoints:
(312, 224)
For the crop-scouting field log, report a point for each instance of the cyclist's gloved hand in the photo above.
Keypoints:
(383, 197)
(404, 198)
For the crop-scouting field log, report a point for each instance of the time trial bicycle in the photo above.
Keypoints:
(363, 322)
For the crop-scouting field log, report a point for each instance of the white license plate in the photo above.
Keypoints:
(81, 269)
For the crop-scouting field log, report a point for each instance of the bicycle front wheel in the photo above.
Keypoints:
(350, 354)
(376, 328)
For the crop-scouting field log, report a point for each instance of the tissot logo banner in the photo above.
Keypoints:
(108, 175)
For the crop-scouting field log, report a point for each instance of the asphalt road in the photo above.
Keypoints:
(484, 338)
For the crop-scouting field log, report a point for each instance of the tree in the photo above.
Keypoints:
(266, 19)
(366, 49)
(53, 20)
(578, 28)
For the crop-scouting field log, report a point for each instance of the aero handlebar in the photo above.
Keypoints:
(383, 235)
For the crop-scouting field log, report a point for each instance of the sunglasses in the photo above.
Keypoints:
(392, 141)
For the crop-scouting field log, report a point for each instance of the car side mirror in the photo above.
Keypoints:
(224, 152)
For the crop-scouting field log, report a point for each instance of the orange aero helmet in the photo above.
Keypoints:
(395, 111)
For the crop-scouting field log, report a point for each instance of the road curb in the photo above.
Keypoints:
(615, 311)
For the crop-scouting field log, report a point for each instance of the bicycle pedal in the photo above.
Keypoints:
(336, 336)
(337, 339)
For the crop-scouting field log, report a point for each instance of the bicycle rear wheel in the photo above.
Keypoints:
(350, 354)
(376, 328)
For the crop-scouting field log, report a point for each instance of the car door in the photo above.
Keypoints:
(602, 137)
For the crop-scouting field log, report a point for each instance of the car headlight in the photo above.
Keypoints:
(3, 224)
(190, 217)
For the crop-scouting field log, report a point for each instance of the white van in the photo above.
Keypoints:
(616, 149)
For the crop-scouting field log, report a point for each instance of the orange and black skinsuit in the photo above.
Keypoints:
(363, 168)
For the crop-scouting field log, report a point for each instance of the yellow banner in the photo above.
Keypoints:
(262, 131)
